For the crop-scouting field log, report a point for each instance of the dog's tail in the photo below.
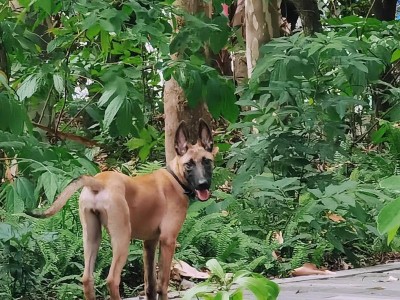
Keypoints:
(62, 199)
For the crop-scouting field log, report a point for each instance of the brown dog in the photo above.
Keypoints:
(150, 207)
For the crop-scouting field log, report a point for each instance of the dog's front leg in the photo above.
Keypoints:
(150, 283)
(167, 249)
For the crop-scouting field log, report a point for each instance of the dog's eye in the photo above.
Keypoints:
(189, 165)
(207, 161)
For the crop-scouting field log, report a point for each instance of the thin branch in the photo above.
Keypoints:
(45, 105)
(366, 17)
(68, 136)
(67, 56)
(79, 112)
(372, 126)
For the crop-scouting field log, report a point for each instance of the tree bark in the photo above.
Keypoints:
(384, 10)
(309, 15)
(4, 66)
(176, 108)
(262, 21)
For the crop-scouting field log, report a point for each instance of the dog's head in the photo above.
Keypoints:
(196, 161)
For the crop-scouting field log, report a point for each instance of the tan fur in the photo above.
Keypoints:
(150, 207)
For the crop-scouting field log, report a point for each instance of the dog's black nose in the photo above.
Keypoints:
(203, 184)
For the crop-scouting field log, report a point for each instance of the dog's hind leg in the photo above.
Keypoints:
(119, 228)
(150, 281)
(91, 242)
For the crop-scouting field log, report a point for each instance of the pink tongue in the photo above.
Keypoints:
(203, 195)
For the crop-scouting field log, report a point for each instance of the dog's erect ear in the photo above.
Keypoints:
(181, 135)
(205, 136)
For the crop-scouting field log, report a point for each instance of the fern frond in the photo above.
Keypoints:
(148, 167)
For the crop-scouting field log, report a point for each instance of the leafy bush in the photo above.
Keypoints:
(233, 286)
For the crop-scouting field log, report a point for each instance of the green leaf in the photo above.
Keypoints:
(11, 145)
(93, 31)
(335, 241)
(145, 134)
(25, 190)
(346, 199)
(197, 60)
(106, 25)
(219, 38)
(46, 5)
(198, 289)
(222, 295)
(3, 79)
(395, 56)
(144, 152)
(360, 66)
(88, 165)
(391, 183)
(28, 87)
(237, 294)
(58, 83)
(215, 268)
(230, 110)
(391, 234)
(124, 119)
(109, 90)
(112, 109)
(105, 41)
(14, 203)
(135, 143)
(336, 189)
(16, 123)
(329, 203)
(6, 232)
(285, 182)
(194, 89)
(5, 116)
(389, 217)
(180, 42)
(262, 288)
(49, 181)
(213, 97)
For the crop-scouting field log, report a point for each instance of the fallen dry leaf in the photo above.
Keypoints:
(278, 236)
(310, 269)
(11, 169)
(275, 255)
(186, 284)
(346, 266)
(335, 217)
(184, 269)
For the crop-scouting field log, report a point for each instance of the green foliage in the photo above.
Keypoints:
(93, 69)
(148, 138)
(20, 267)
(233, 286)
(299, 161)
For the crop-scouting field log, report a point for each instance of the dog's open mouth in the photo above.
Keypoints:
(203, 195)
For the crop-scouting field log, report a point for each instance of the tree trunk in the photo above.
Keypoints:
(309, 15)
(384, 10)
(4, 67)
(262, 21)
(176, 108)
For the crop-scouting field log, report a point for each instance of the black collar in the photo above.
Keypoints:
(187, 190)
